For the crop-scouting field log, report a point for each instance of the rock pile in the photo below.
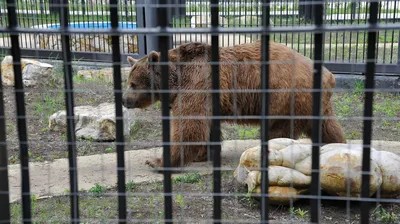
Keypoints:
(340, 170)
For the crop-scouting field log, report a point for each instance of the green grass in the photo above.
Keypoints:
(188, 178)
(381, 215)
(248, 132)
(108, 150)
(48, 105)
(130, 186)
(97, 190)
(301, 213)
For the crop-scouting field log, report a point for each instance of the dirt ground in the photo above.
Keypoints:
(193, 203)
(145, 203)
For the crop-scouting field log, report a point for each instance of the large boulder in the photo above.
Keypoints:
(340, 170)
(34, 73)
(95, 123)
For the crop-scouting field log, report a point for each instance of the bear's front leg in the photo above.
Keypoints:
(190, 131)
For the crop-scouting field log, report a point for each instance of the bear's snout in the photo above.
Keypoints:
(128, 102)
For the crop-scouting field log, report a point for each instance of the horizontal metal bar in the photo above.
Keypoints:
(157, 31)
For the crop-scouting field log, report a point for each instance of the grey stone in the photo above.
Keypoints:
(34, 73)
(95, 123)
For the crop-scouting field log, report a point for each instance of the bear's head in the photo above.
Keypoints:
(145, 73)
(143, 78)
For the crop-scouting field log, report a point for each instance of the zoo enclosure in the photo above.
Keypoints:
(344, 51)
(163, 36)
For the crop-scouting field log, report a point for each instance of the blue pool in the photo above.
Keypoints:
(95, 25)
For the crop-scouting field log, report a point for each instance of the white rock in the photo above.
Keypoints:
(340, 170)
(93, 122)
(34, 73)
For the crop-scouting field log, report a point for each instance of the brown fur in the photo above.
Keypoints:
(288, 70)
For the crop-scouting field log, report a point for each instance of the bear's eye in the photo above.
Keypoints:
(133, 85)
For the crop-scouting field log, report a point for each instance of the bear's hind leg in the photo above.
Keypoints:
(202, 155)
(332, 132)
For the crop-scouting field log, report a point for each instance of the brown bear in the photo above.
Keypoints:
(240, 68)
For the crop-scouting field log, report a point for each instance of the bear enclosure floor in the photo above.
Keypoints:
(192, 203)
(96, 205)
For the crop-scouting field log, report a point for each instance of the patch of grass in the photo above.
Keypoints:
(135, 128)
(359, 87)
(179, 199)
(248, 132)
(298, 212)
(48, 104)
(388, 108)
(188, 178)
(97, 190)
(108, 150)
(383, 216)
(346, 105)
(157, 105)
(130, 186)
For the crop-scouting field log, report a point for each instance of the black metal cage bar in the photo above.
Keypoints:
(216, 111)
(69, 102)
(265, 99)
(21, 113)
(368, 111)
(316, 111)
(119, 124)
(163, 41)
(4, 186)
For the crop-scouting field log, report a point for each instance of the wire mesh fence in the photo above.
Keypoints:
(199, 103)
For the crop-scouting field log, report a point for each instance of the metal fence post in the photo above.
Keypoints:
(179, 11)
(306, 11)
(398, 57)
(147, 18)
(140, 23)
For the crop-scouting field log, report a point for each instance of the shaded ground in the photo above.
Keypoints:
(193, 203)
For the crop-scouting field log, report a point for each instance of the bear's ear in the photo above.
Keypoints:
(131, 60)
(153, 57)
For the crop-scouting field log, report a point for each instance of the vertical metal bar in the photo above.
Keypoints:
(119, 124)
(69, 102)
(316, 110)
(140, 23)
(163, 43)
(398, 54)
(21, 118)
(392, 45)
(368, 112)
(150, 18)
(216, 111)
(4, 189)
(265, 112)
(83, 8)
